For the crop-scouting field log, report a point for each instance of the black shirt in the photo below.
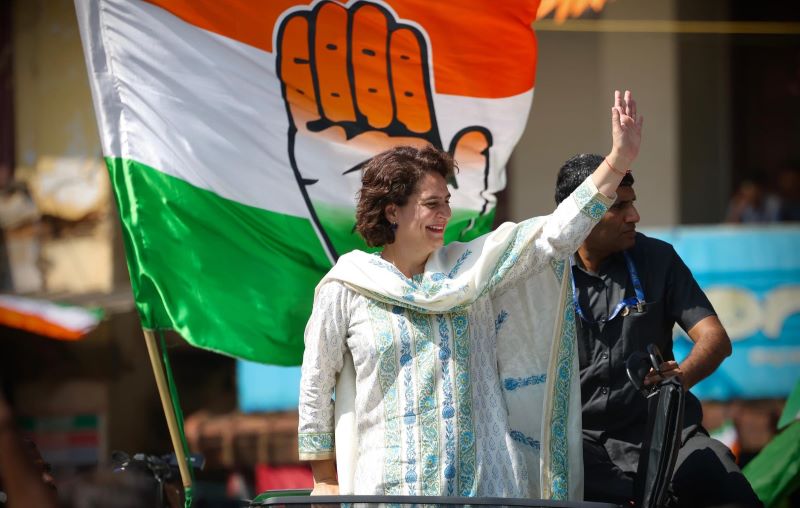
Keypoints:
(614, 412)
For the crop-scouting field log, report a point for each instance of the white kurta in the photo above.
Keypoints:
(458, 370)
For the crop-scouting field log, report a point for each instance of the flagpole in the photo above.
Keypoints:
(168, 404)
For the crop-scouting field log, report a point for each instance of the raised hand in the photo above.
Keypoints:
(356, 81)
(626, 127)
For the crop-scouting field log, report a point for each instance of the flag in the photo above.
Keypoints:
(234, 133)
(49, 319)
(775, 472)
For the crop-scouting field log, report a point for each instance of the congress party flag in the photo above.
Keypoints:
(234, 133)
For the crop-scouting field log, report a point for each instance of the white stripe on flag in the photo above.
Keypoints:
(71, 318)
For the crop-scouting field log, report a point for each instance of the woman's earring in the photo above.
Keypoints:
(393, 226)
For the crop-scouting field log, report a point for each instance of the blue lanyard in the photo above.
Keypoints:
(625, 305)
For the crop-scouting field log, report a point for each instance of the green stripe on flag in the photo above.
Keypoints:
(59, 423)
(460, 227)
(228, 277)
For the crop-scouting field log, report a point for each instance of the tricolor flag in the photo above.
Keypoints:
(234, 133)
(48, 319)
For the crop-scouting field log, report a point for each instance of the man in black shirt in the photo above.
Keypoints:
(629, 291)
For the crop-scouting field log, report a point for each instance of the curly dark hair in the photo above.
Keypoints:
(391, 177)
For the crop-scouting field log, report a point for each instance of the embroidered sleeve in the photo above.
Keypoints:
(542, 240)
(325, 345)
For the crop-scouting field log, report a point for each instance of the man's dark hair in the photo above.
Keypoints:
(391, 177)
(576, 170)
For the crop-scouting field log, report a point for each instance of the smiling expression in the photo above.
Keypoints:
(616, 231)
(422, 220)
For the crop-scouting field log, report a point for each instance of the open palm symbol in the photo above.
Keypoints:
(355, 82)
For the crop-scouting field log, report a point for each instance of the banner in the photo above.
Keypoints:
(752, 277)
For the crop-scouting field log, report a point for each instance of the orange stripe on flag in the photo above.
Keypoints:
(35, 324)
(480, 48)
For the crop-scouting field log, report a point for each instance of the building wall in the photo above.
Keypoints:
(576, 77)
(55, 118)
(65, 243)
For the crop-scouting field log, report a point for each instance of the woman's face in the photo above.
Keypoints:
(421, 221)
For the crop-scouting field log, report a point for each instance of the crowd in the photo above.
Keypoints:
(758, 200)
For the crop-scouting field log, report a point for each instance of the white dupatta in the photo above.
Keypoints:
(521, 267)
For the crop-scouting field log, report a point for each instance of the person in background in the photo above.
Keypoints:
(789, 192)
(629, 290)
(753, 204)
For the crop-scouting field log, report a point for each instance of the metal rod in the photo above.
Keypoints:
(167, 404)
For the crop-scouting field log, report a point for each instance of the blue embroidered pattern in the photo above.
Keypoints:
(558, 268)
(410, 413)
(460, 261)
(407, 300)
(379, 262)
(522, 438)
(515, 247)
(387, 377)
(582, 195)
(315, 443)
(501, 318)
(448, 411)
(512, 383)
(588, 202)
(426, 284)
(559, 442)
(429, 423)
(466, 428)
(429, 286)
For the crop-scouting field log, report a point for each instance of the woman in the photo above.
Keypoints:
(464, 355)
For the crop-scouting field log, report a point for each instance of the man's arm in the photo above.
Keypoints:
(711, 346)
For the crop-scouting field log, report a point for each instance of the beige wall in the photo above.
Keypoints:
(576, 76)
(59, 159)
(54, 112)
